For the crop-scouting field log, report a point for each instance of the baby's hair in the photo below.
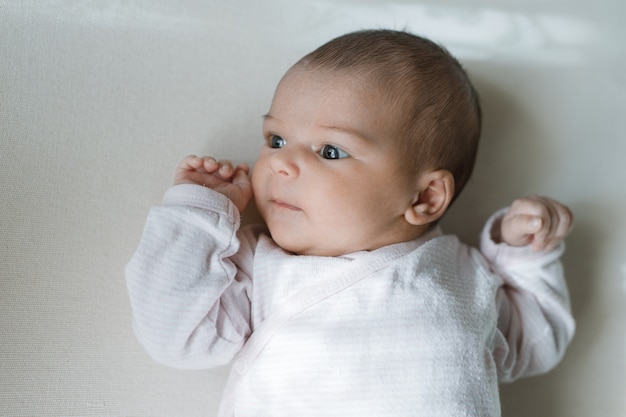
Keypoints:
(440, 112)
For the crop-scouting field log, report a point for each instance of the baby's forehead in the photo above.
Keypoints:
(373, 79)
(345, 96)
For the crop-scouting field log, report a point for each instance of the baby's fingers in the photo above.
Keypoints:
(208, 165)
(225, 169)
(240, 174)
(190, 162)
(519, 229)
(557, 223)
(196, 170)
(187, 170)
(205, 164)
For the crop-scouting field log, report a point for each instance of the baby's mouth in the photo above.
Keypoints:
(283, 205)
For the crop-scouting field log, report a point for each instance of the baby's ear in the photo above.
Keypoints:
(435, 190)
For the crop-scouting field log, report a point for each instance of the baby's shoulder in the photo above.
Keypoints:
(448, 252)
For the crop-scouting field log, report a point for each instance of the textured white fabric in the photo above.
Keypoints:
(422, 326)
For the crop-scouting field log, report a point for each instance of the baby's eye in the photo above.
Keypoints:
(332, 152)
(276, 142)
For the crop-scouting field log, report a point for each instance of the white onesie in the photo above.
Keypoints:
(427, 327)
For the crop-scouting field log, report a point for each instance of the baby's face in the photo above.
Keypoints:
(328, 181)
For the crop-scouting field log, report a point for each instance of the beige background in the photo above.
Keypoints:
(100, 99)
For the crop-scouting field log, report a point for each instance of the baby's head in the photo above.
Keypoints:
(436, 109)
(369, 139)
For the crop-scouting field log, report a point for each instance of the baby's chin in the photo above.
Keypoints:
(296, 248)
(306, 248)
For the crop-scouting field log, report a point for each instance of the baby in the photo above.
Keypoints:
(351, 301)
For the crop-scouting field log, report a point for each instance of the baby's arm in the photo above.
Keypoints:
(188, 280)
(535, 324)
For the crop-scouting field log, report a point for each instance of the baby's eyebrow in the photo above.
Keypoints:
(273, 121)
(269, 118)
(350, 131)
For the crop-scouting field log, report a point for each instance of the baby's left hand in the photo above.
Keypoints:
(537, 221)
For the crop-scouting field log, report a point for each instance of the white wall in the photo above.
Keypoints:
(100, 99)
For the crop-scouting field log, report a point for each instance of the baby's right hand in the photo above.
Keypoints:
(220, 176)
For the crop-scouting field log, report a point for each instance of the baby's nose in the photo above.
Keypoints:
(286, 162)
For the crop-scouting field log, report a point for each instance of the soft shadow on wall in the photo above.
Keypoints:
(512, 137)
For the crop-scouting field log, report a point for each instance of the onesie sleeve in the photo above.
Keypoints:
(535, 324)
(189, 296)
